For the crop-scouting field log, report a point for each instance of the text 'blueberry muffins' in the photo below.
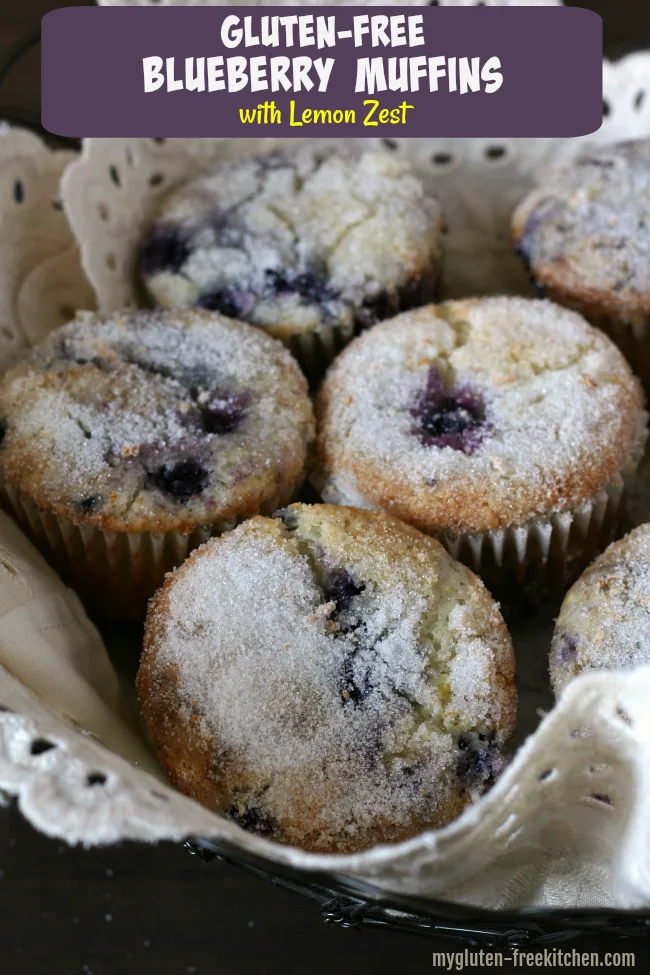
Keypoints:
(604, 623)
(330, 679)
(309, 244)
(127, 441)
(584, 234)
(505, 426)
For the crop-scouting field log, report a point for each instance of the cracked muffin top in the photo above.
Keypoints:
(477, 415)
(154, 421)
(330, 678)
(604, 623)
(585, 231)
(297, 241)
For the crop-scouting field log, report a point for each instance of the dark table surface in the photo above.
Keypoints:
(140, 910)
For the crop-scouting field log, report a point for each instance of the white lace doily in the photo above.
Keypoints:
(41, 281)
(566, 825)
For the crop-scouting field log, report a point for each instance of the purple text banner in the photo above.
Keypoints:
(475, 72)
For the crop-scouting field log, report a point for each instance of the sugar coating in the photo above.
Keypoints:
(587, 228)
(540, 411)
(297, 241)
(604, 623)
(154, 420)
(341, 679)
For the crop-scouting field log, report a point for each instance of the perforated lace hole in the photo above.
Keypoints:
(114, 173)
(57, 203)
(111, 263)
(41, 745)
(547, 775)
(495, 152)
(159, 141)
(390, 144)
(607, 108)
(434, 3)
(441, 158)
(639, 99)
(94, 779)
(156, 179)
(19, 191)
(602, 798)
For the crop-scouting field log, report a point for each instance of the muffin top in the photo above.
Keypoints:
(604, 623)
(154, 421)
(477, 415)
(330, 678)
(586, 229)
(296, 240)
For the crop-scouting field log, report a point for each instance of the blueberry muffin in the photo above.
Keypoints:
(584, 235)
(507, 427)
(308, 243)
(128, 440)
(604, 623)
(330, 679)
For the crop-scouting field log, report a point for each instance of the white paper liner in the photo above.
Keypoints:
(115, 573)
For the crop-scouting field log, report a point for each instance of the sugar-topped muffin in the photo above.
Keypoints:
(506, 426)
(330, 679)
(604, 623)
(129, 439)
(309, 243)
(584, 235)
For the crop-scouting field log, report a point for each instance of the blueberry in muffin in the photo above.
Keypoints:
(584, 235)
(604, 623)
(309, 243)
(507, 427)
(329, 678)
(128, 440)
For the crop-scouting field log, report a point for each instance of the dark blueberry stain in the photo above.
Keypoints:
(181, 480)
(89, 504)
(311, 286)
(567, 649)
(165, 248)
(3, 431)
(355, 680)
(476, 764)
(453, 418)
(252, 819)
(231, 302)
(224, 412)
(341, 588)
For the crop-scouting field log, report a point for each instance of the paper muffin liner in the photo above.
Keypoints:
(115, 573)
(546, 554)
